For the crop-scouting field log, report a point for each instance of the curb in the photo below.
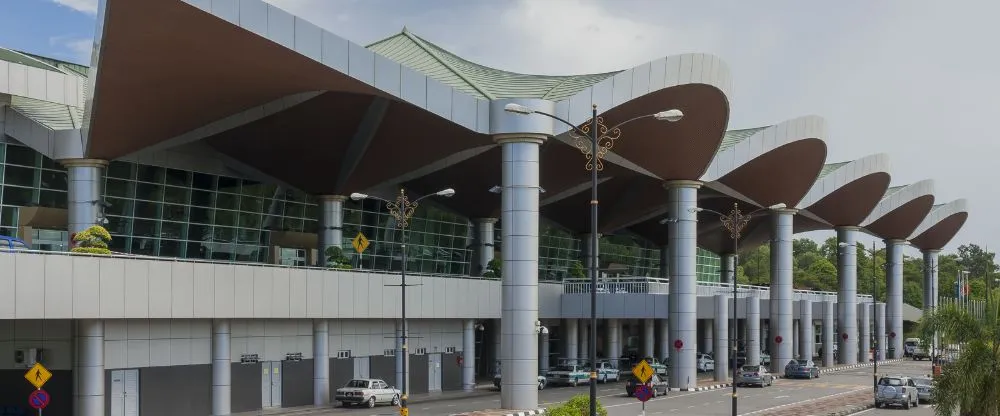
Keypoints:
(848, 367)
(705, 388)
(527, 413)
(853, 410)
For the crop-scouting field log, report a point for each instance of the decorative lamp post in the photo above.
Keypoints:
(735, 222)
(595, 140)
(402, 210)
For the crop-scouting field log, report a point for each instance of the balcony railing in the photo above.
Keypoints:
(661, 286)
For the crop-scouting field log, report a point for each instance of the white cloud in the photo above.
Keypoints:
(85, 6)
(77, 50)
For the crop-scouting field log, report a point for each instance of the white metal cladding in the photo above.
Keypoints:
(940, 213)
(693, 68)
(41, 84)
(56, 144)
(899, 198)
(763, 141)
(844, 175)
(337, 53)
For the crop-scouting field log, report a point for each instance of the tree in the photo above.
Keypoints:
(493, 269)
(968, 383)
(93, 240)
(576, 269)
(336, 259)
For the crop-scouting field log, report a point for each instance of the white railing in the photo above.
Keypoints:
(661, 286)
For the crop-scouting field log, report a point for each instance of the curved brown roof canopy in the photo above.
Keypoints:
(844, 194)
(901, 210)
(940, 226)
(617, 194)
(782, 175)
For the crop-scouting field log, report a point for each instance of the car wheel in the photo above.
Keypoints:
(371, 402)
(575, 383)
(906, 405)
(395, 400)
(654, 392)
(541, 385)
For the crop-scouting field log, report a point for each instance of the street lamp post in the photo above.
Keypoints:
(595, 140)
(402, 210)
(734, 222)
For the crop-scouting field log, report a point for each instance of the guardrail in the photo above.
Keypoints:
(661, 286)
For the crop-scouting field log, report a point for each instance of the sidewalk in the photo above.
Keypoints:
(834, 405)
(481, 390)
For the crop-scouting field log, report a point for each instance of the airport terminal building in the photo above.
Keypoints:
(220, 141)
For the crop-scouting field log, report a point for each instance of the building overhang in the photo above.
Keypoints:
(844, 194)
(941, 225)
(901, 211)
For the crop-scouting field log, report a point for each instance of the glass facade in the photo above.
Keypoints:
(173, 213)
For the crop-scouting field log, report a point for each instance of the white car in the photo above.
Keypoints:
(367, 391)
(705, 362)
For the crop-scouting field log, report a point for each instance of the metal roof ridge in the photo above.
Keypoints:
(52, 68)
(434, 54)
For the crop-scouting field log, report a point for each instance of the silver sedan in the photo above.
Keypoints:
(925, 388)
(754, 375)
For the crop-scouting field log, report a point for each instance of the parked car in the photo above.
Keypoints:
(754, 375)
(925, 388)
(368, 391)
(801, 369)
(497, 380)
(568, 374)
(919, 353)
(705, 362)
(657, 384)
(659, 367)
(765, 359)
(896, 391)
(606, 372)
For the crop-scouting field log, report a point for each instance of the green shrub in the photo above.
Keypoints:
(493, 269)
(336, 259)
(579, 405)
(93, 240)
(576, 269)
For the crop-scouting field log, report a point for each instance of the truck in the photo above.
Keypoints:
(920, 353)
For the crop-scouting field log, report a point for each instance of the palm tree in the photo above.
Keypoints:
(969, 383)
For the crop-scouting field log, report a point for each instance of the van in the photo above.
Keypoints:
(909, 345)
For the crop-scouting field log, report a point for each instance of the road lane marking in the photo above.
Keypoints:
(781, 397)
(801, 402)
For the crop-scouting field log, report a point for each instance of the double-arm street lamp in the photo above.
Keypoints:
(874, 282)
(735, 222)
(595, 140)
(402, 210)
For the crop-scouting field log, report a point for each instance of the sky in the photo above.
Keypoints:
(911, 78)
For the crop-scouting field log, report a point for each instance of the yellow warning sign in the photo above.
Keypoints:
(642, 371)
(38, 375)
(404, 411)
(360, 243)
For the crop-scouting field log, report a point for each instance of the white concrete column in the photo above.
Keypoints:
(468, 355)
(722, 338)
(321, 362)
(483, 251)
(519, 294)
(648, 337)
(664, 342)
(571, 342)
(682, 199)
(728, 270)
(780, 327)
(865, 333)
(89, 368)
(829, 333)
(930, 279)
(583, 326)
(847, 295)
(331, 225)
(753, 329)
(613, 339)
(795, 339)
(806, 340)
(85, 196)
(894, 295)
(880, 331)
(707, 334)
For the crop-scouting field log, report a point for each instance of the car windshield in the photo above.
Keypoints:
(565, 368)
(751, 368)
(803, 362)
(923, 381)
(357, 384)
(890, 382)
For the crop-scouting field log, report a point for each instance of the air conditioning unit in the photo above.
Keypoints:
(27, 357)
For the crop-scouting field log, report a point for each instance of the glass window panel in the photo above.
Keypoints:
(119, 188)
(249, 236)
(151, 174)
(196, 250)
(309, 226)
(201, 215)
(171, 248)
(144, 246)
(13, 195)
(174, 212)
(312, 211)
(224, 234)
(119, 225)
(120, 170)
(251, 204)
(8, 216)
(16, 175)
(176, 195)
(199, 232)
(53, 180)
(201, 198)
(119, 243)
(249, 220)
(52, 199)
(144, 209)
(149, 192)
(51, 164)
(8, 231)
(231, 185)
(119, 206)
(203, 181)
(20, 155)
(143, 228)
(226, 218)
(295, 210)
(295, 224)
(172, 230)
(220, 252)
(177, 178)
(227, 201)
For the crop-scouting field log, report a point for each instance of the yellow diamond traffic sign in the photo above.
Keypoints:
(360, 243)
(642, 371)
(38, 375)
